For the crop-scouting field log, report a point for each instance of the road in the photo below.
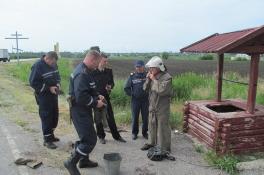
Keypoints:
(7, 153)
(23, 60)
(16, 143)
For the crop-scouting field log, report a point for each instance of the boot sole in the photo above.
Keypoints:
(68, 168)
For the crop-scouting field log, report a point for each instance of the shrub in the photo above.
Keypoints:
(206, 57)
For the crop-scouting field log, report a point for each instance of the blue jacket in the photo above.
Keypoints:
(82, 87)
(134, 85)
(43, 76)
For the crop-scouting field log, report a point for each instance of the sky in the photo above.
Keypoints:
(122, 25)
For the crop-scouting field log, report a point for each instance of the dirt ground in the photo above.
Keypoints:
(18, 114)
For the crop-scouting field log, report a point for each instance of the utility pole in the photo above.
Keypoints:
(17, 37)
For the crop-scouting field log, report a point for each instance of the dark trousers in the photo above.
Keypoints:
(99, 114)
(110, 120)
(83, 122)
(49, 114)
(139, 105)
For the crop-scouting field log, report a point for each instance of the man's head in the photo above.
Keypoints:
(92, 59)
(97, 48)
(155, 65)
(139, 66)
(104, 61)
(51, 58)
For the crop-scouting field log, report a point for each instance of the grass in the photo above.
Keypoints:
(20, 122)
(118, 96)
(188, 86)
(226, 162)
(21, 71)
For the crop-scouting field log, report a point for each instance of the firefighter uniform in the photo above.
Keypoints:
(139, 101)
(42, 77)
(84, 97)
(160, 92)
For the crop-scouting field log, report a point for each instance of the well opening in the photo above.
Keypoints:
(224, 108)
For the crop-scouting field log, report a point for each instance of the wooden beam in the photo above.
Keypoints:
(253, 80)
(219, 77)
(248, 49)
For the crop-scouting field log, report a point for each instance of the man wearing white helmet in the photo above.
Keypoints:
(159, 87)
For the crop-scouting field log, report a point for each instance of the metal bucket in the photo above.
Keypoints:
(112, 163)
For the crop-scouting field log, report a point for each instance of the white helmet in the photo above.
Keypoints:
(156, 62)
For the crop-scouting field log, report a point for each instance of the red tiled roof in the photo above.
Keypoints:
(220, 43)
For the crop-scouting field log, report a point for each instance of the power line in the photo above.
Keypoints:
(17, 37)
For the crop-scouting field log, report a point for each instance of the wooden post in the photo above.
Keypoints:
(253, 81)
(219, 77)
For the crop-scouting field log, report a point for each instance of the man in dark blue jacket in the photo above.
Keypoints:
(84, 97)
(139, 99)
(45, 80)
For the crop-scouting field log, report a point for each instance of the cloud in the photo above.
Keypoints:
(123, 26)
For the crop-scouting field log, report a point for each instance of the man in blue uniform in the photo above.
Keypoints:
(139, 99)
(84, 97)
(45, 80)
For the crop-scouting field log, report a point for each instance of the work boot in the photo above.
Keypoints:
(102, 140)
(87, 163)
(134, 136)
(49, 145)
(145, 136)
(120, 139)
(54, 139)
(146, 147)
(70, 164)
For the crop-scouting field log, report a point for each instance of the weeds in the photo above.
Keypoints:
(20, 122)
(226, 162)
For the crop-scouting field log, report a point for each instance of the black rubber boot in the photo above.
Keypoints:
(70, 164)
(50, 145)
(87, 163)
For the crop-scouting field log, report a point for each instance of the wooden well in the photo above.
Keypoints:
(229, 125)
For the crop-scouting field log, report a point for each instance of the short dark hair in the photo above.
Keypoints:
(97, 48)
(94, 53)
(52, 54)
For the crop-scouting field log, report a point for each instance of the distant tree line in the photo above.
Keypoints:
(25, 55)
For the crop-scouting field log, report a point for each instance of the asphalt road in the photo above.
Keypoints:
(23, 60)
(16, 143)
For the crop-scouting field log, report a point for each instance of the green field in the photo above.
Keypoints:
(186, 86)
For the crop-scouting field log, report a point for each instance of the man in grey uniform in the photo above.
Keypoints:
(159, 86)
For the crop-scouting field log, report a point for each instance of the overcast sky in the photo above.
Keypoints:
(123, 25)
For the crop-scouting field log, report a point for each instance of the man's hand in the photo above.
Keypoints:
(148, 75)
(100, 104)
(102, 98)
(108, 88)
(54, 90)
(152, 77)
(58, 86)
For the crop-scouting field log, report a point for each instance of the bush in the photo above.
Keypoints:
(118, 96)
(165, 55)
(206, 57)
(184, 84)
